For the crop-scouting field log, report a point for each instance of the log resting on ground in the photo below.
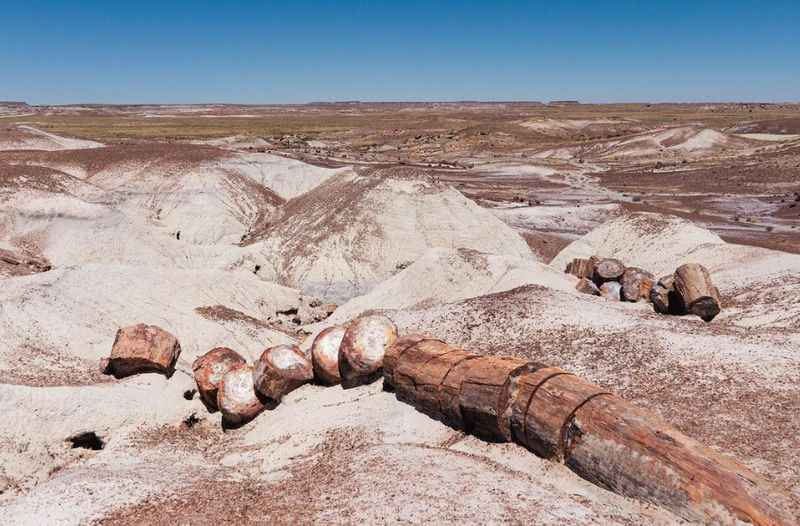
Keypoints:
(363, 347)
(597, 434)
(608, 269)
(280, 370)
(236, 398)
(636, 284)
(325, 354)
(142, 349)
(208, 372)
(701, 297)
(582, 268)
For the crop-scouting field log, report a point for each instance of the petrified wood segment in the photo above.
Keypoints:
(597, 434)
(587, 287)
(142, 349)
(620, 447)
(363, 347)
(611, 290)
(208, 372)
(582, 268)
(325, 354)
(393, 353)
(636, 284)
(280, 370)
(608, 269)
(236, 397)
(482, 399)
(693, 284)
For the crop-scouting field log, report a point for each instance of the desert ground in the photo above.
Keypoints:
(253, 226)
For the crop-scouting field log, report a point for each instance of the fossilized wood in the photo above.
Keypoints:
(548, 407)
(587, 287)
(582, 268)
(636, 284)
(142, 349)
(392, 355)
(209, 369)
(611, 290)
(693, 284)
(325, 355)
(363, 348)
(608, 269)
(616, 445)
(236, 398)
(482, 399)
(411, 368)
(280, 370)
(659, 297)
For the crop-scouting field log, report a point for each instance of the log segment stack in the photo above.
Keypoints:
(688, 290)
(598, 435)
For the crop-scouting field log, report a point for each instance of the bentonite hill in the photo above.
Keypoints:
(553, 261)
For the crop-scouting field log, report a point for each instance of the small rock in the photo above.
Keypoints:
(586, 286)
(611, 290)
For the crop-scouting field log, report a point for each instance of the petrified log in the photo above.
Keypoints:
(616, 445)
(393, 353)
(598, 435)
(280, 370)
(483, 400)
(209, 370)
(325, 354)
(693, 284)
(142, 349)
(611, 290)
(587, 286)
(363, 347)
(582, 268)
(546, 400)
(636, 284)
(236, 397)
(608, 269)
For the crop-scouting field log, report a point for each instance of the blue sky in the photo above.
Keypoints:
(55, 52)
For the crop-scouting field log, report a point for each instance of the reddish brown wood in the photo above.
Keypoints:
(636, 284)
(280, 370)
(587, 287)
(608, 269)
(325, 355)
(392, 355)
(363, 348)
(550, 407)
(482, 398)
(208, 372)
(693, 284)
(630, 451)
(582, 268)
(236, 397)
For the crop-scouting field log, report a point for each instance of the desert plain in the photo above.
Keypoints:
(254, 226)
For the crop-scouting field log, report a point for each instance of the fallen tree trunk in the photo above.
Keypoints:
(595, 433)
(618, 446)
(693, 284)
